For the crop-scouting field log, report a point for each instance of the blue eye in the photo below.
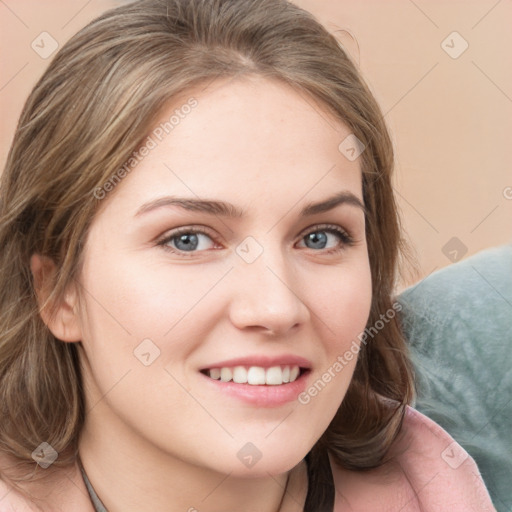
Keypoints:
(318, 239)
(187, 240)
(332, 238)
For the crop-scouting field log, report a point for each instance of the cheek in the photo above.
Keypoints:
(129, 300)
(342, 302)
(341, 313)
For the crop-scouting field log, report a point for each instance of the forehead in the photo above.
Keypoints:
(251, 141)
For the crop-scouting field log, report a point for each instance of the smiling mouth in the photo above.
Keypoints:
(256, 375)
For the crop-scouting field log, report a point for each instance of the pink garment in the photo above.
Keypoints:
(429, 472)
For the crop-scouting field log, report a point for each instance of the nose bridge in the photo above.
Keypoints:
(266, 288)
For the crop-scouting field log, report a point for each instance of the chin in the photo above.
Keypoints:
(263, 458)
(276, 465)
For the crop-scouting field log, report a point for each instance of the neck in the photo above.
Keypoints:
(129, 473)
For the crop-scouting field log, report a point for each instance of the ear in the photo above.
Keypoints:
(64, 323)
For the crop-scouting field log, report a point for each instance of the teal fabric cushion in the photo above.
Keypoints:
(459, 325)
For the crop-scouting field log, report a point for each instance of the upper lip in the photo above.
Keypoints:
(262, 361)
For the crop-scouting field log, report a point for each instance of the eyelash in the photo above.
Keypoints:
(346, 240)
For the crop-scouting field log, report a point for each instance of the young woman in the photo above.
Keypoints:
(199, 242)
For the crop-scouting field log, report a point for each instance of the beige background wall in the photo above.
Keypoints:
(449, 107)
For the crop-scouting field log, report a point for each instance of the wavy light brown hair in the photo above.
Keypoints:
(91, 109)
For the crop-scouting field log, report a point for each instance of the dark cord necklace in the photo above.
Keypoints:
(329, 500)
(98, 505)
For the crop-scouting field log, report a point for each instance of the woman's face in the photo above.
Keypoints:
(224, 253)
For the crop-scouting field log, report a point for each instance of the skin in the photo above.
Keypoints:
(157, 435)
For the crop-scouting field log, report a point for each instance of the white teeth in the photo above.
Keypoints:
(256, 375)
(274, 376)
(240, 375)
(226, 374)
(215, 373)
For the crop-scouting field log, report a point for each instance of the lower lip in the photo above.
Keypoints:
(261, 396)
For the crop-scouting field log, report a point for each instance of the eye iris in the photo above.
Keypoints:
(190, 242)
(318, 239)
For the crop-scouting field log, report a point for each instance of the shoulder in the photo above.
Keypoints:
(10, 497)
(427, 471)
(12, 501)
(63, 490)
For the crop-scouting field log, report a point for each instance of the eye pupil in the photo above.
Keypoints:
(190, 242)
(318, 238)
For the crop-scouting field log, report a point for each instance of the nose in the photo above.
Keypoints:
(266, 296)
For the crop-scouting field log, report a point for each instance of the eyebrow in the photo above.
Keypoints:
(225, 209)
